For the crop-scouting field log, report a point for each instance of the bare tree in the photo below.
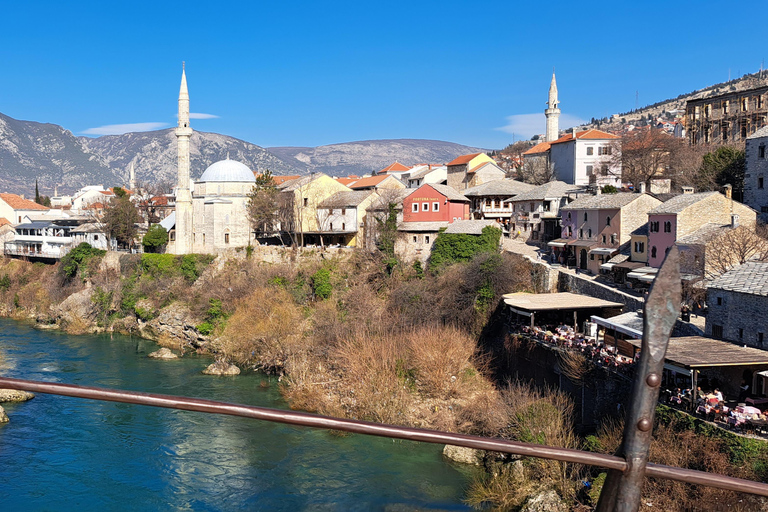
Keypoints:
(643, 154)
(536, 171)
(735, 247)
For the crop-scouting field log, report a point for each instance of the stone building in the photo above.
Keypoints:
(686, 213)
(737, 303)
(536, 213)
(214, 218)
(468, 171)
(729, 117)
(493, 200)
(756, 175)
(343, 217)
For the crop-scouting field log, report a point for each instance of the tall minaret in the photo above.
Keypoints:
(552, 112)
(183, 195)
(132, 178)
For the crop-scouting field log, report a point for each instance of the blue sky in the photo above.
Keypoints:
(305, 73)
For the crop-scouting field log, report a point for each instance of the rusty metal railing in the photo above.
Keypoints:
(627, 470)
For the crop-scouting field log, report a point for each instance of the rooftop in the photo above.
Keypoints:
(701, 352)
(551, 190)
(603, 201)
(679, 203)
(463, 159)
(555, 301)
(372, 181)
(422, 226)
(502, 187)
(470, 227)
(591, 134)
(394, 167)
(445, 190)
(541, 147)
(762, 132)
(19, 203)
(704, 234)
(750, 277)
(341, 199)
(228, 171)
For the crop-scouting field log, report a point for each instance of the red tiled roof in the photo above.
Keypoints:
(368, 182)
(19, 203)
(279, 180)
(541, 147)
(591, 134)
(95, 206)
(4, 222)
(394, 167)
(463, 159)
(159, 200)
(347, 180)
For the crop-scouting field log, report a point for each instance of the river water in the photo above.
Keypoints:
(60, 453)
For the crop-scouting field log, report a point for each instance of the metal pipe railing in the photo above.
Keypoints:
(381, 430)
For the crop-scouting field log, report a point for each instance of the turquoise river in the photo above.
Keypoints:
(60, 453)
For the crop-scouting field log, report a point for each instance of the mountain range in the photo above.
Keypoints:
(53, 156)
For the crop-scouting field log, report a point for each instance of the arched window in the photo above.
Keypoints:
(585, 216)
(653, 251)
(608, 220)
(667, 226)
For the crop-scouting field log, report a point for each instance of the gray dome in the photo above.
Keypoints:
(228, 170)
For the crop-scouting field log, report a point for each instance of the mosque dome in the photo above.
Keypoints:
(228, 170)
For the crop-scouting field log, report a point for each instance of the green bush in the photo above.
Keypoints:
(452, 248)
(321, 283)
(192, 265)
(155, 238)
(214, 317)
(78, 259)
(205, 328)
(158, 265)
(5, 283)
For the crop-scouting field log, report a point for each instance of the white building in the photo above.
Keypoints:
(586, 158)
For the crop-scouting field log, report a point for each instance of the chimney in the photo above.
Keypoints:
(687, 190)
(728, 191)
(734, 220)
(642, 187)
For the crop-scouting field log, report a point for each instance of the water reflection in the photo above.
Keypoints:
(68, 454)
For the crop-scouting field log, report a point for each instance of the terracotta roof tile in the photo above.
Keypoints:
(394, 167)
(369, 182)
(590, 134)
(4, 222)
(279, 180)
(541, 147)
(19, 203)
(463, 159)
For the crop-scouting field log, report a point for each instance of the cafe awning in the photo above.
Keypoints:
(603, 250)
(558, 242)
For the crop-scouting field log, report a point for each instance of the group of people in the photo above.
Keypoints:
(565, 337)
(712, 407)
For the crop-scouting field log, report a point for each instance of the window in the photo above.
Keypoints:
(569, 215)
(759, 101)
(603, 170)
(717, 332)
(581, 233)
(589, 233)
(343, 211)
(435, 207)
(761, 151)
(653, 251)
(719, 301)
(415, 238)
(744, 104)
(640, 247)
(589, 170)
(725, 108)
(306, 201)
(608, 220)
(425, 207)
(613, 239)
(760, 182)
(570, 231)
(590, 150)
(653, 227)
(760, 339)
(707, 111)
(415, 207)
(203, 238)
(343, 226)
(585, 216)
(741, 333)
(604, 150)
(603, 238)
(95, 237)
(226, 238)
(667, 226)
(724, 129)
(592, 257)
(331, 227)
(426, 239)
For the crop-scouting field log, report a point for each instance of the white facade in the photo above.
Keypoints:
(586, 161)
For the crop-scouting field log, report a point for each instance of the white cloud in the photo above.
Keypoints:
(119, 129)
(528, 125)
(194, 115)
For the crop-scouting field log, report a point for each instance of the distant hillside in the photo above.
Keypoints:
(367, 156)
(665, 107)
(154, 154)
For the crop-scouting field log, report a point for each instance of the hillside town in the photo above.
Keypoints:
(568, 203)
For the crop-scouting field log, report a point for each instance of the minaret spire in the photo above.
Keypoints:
(183, 194)
(552, 112)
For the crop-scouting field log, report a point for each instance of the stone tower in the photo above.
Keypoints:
(132, 178)
(183, 194)
(552, 112)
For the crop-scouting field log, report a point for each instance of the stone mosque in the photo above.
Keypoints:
(210, 215)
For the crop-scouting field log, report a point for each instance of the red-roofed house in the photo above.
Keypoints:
(14, 208)
(472, 170)
(377, 182)
(395, 168)
(586, 158)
